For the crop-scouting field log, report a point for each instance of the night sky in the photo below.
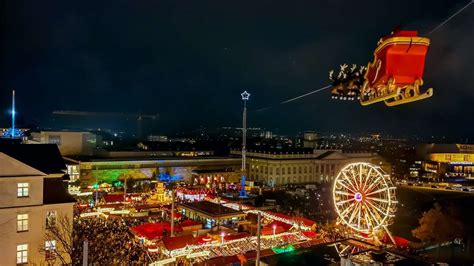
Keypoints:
(189, 61)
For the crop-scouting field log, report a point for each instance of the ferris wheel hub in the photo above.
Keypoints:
(358, 196)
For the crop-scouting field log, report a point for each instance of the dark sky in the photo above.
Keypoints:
(189, 60)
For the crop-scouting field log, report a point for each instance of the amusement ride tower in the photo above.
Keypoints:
(245, 97)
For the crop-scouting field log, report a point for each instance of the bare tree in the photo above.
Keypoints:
(60, 232)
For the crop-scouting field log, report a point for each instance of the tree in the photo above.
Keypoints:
(59, 244)
(439, 225)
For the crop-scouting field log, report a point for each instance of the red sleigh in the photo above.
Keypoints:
(395, 75)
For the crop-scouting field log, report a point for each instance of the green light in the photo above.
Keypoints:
(118, 184)
(95, 186)
(283, 249)
(110, 176)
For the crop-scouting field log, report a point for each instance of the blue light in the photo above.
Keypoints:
(165, 177)
(243, 193)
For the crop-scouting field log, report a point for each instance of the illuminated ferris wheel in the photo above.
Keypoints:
(364, 198)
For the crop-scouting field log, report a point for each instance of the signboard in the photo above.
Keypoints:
(452, 157)
(465, 148)
(162, 262)
(198, 254)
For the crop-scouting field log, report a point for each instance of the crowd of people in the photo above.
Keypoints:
(109, 241)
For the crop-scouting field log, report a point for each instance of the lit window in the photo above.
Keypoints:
(22, 222)
(51, 217)
(50, 249)
(21, 253)
(23, 189)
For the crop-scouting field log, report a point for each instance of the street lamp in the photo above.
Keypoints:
(274, 229)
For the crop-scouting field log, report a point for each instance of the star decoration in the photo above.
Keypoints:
(245, 95)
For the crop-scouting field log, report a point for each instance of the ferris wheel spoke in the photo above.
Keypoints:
(353, 215)
(367, 177)
(354, 175)
(349, 179)
(344, 193)
(344, 185)
(377, 208)
(376, 221)
(368, 220)
(377, 191)
(373, 184)
(358, 215)
(347, 210)
(379, 200)
(345, 201)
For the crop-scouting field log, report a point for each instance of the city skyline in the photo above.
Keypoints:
(190, 62)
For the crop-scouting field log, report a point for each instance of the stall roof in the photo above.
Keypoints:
(153, 231)
(211, 209)
(177, 242)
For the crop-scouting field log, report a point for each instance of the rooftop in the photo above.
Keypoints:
(211, 209)
(43, 157)
(10, 167)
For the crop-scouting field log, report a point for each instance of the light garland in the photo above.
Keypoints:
(293, 223)
(189, 249)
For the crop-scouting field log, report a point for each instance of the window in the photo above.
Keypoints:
(289, 170)
(23, 189)
(51, 219)
(50, 249)
(55, 139)
(278, 170)
(300, 169)
(21, 253)
(22, 222)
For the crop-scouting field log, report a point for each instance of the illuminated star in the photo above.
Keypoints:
(245, 95)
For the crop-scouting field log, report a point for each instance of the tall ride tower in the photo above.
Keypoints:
(245, 97)
(13, 115)
(12, 132)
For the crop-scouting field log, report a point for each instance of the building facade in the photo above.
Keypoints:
(305, 166)
(69, 142)
(99, 170)
(31, 202)
(447, 160)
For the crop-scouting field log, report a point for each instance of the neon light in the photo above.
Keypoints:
(245, 95)
(283, 249)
